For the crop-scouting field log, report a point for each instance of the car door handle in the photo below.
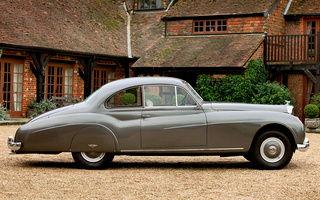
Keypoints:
(146, 116)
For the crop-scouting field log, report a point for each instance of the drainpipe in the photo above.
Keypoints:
(128, 31)
(171, 2)
(287, 8)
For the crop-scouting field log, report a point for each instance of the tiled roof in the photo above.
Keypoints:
(89, 26)
(207, 51)
(304, 7)
(193, 8)
(147, 29)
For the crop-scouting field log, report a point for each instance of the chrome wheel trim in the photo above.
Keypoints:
(272, 150)
(93, 156)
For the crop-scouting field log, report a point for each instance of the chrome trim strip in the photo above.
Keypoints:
(186, 126)
(304, 146)
(13, 146)
(180, 150)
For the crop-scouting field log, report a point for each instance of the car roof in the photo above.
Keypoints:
(121, 84)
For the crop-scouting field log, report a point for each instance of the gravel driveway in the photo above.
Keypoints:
(208, 177)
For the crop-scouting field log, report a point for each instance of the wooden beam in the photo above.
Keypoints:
(311, 76)
(88, 65)
(39, 68)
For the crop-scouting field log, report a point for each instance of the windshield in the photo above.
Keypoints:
(199, 99)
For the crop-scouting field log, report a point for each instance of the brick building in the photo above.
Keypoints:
(221, 37)
(59, 48)
(70, 48)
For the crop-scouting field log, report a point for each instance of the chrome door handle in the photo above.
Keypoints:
(146, 116)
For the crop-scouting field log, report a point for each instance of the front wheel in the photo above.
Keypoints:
(272, 150)
(93, 160)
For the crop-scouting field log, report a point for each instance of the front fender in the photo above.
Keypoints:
(94, 138)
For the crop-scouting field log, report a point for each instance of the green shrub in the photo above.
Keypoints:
(311, 111)
(315, 99)
(156, 99)
(250, 87)
(128, 99)
(180, 98)
(3, 113)
(42, 106)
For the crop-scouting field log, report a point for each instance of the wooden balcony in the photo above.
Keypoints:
(299, 53)
(292, 48)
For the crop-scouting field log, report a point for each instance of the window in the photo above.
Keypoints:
(209, 26)
(149, 4)
(125, 98)
(312, 28)
(166, 96)
(11, 85)
(58, 80)
(101, 76)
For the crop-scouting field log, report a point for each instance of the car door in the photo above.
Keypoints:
(171, 119)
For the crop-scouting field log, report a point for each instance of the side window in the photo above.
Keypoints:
(126, 98)
(167, 96)
(159, 95)
(184, 99)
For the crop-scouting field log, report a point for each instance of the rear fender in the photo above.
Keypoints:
(95, 138)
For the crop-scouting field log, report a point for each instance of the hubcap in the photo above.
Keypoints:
(272, 149)
(92, 156)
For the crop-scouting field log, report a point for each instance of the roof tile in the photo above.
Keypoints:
(301, 7)
(72, 25)
(193, 8)
(209, 51)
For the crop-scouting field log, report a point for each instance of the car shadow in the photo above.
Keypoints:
(118, 165)
(182, 165)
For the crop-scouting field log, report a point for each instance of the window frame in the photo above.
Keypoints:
(99, 80)
(142, 7)
(125, 107)
(49, 77)
(213, 24)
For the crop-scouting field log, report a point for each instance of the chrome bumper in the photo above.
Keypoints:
(304, 146)
(13, 146)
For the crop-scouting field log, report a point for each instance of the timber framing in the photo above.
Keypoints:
(41, 57)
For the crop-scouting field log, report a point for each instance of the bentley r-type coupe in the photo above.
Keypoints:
(162, 116)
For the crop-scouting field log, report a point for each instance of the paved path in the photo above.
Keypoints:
(14, 121)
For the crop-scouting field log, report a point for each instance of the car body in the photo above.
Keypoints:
(162, 116)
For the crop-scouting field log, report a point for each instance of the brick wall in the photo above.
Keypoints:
(246, 25)
(275, 23)
(235, 25)
(295, 85)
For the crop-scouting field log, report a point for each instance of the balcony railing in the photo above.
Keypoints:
(292, 48)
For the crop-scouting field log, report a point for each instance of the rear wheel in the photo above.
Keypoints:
(272, 150)
(93, 160)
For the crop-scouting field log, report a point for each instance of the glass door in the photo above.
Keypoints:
(11, 83)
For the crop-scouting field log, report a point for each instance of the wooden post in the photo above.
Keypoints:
(318, 62)
(39, 70)
(88, 65)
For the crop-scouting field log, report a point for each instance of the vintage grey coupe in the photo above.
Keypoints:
(162, 116)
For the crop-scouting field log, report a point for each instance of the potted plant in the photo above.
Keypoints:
(312, 112)
(37, 108)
